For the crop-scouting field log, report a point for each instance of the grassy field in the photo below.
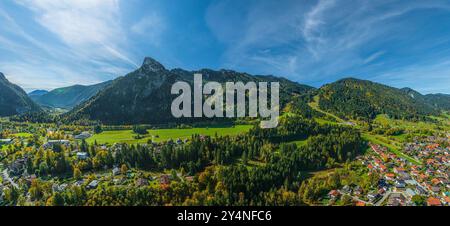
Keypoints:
(127, 136)
(300, 143)
(23, 135)
(388, 122)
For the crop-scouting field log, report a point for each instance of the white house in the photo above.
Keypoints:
(82, 155)
(82, 136)
(6, 141)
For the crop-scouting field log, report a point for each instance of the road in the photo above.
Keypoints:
(386, 195)
(356, 198)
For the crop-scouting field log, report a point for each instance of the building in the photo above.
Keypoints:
(164, 179)
(433, 202)
(396, 199)
(334, 194)
(142, 182)
(6, 141)
(82, 155)
(372, 196)
(400, 184)
(18, 166)
(93, 184)
(82, 136)
(359, 203)
(447, 200)
(410, 193)
(116, 171)
(51, 143)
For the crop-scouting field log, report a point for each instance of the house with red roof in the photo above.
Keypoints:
(433, 202)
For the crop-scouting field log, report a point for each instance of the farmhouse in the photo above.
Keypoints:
(433, 202)
(82, 136)
(82, 155)
(93, 184)
(6, 141)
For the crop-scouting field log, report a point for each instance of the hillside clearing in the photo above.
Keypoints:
(160, 135)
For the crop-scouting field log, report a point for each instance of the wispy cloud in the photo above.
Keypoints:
(434, 76)
(312, 42)
(77, 42)
(90, 27)
(152, 26)
(373, 57)
(316, 42)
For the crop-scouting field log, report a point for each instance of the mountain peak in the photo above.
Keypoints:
(151, 64)
(350, 79)
(2, 76)
(38, 92)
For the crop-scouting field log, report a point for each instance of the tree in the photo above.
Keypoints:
(418, 200)
(57, 200)
(98, 129)
(124, 169)
(140, 130)
(77, 173)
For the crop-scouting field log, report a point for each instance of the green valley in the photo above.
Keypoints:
(161, 135)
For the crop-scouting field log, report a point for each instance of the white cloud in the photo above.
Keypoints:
(434, 77)
(91, 28)
(44, 77)
(314, 20)
(374, 56)
(316, 41)
(152, 26)
(88, 45)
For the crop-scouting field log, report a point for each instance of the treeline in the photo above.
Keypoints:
(364, 100)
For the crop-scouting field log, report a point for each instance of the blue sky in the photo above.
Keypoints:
(45, 44)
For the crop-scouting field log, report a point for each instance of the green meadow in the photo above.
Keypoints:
(384, 120)
(160, 135)
(23, 135)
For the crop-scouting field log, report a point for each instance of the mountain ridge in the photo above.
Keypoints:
(143, 96)
(14, 100)
(353, 98)
(68, 97)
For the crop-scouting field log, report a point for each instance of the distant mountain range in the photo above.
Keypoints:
(67, 97)
(14, 100)
(143, 96)
(437, 101)
(37, 93)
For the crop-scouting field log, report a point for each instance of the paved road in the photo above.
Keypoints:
(386, 195)
(356, 198)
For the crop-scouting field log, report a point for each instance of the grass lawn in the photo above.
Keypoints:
(315, 105)
(385, 121)
(23, 135)
(401, 137)
(127, 136)
(300, 143)
(377, 139)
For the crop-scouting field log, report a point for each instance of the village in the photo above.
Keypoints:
(404, 182)
(14, 175)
